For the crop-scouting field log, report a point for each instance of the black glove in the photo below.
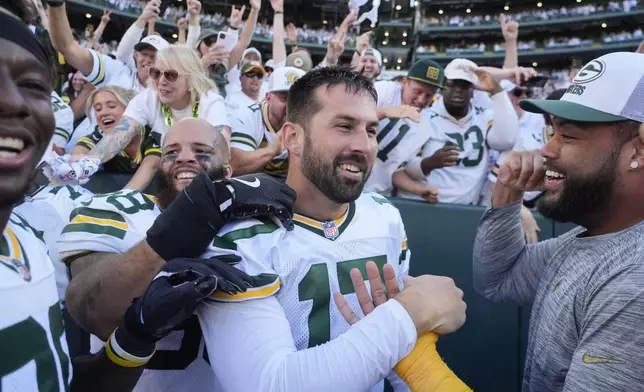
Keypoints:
(193, 219)
(172, 298)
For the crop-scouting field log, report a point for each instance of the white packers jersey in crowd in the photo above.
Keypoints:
(32, 334)
(48, 210)
(109, 72)
(398, 142)
(251, 130)
(462, 183)
(114, 223)
(64, 117)
(314, 260)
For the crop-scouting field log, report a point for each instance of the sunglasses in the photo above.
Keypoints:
(519, 92)
(254, 75)
(170, 75)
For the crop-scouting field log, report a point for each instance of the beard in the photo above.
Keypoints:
(323, 174)
(165, 191)
(582, 197)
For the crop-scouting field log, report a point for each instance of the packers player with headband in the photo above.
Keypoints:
(290, 336)
(256, 140)
(455, 157)
(112, 261)
(32, 333)
(403, 127)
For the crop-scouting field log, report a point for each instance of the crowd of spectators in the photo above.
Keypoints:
(534, 15)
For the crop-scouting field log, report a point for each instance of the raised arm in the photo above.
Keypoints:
(132, 36)
(279, 33)
(98, 33)
(510, 30)
(63, 40)
(246, 34)
(115, 141)
(194, 28)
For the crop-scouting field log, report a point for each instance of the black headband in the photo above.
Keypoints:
(15, 30)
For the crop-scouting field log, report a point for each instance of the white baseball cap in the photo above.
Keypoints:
(252, 50)
(375, 53)
(153, 40)
(607, 89)
(283, 78)
(461, 69)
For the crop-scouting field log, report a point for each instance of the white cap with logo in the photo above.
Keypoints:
(461, 69)
(607, 89)
(153, 40)
(283, 78)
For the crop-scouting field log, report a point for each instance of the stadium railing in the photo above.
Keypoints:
(488, 352)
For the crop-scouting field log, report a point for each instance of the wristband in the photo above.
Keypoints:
(55, 3)
(424, 371)
(279, 12)
(120, 356)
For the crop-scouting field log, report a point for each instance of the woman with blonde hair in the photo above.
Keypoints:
(178, 88)
(140, 157)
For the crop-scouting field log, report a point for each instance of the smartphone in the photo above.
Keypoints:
(226, 40)
(538, 81)
(164, 4)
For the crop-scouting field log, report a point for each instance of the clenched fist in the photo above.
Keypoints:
(519, 172)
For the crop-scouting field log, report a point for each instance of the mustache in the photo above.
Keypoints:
(355, 159)
(549, 166)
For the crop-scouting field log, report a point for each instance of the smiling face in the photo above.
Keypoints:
(582, 162)
(78, 82)
(171, 92)
(108, 110)
(145, 59)
(251, 82)
(26, 119)
(191, 146)
(340, 143)
(417, 94)
(369, 66)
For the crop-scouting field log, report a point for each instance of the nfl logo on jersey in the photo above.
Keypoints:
(330, 230)
(20, 268)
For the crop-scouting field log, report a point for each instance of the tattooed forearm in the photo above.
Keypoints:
(115, 141)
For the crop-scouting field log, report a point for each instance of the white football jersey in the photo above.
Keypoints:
(251, 130)
(314, 260)
(109, 72)
(114, 223)
(398, 142)
(48, 210)
(461, 183)
(64, 117)
(32, 334)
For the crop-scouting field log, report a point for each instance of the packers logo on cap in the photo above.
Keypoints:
(592, 71)
(291, 77)
(433, 73)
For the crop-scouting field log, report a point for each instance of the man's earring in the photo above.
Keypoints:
(634, 165)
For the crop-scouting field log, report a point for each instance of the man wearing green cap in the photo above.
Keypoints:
(251, 78)
(585, 285)
(403, 127)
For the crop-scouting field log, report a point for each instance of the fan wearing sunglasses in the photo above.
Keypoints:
(178, 88)
(252, 77)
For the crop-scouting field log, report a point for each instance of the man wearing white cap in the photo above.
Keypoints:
(370, 63)
(585, 286)
(455, 158)
(256, 138)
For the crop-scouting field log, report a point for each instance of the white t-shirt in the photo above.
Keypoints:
(389, 93)
(239, 99)
(145, 109)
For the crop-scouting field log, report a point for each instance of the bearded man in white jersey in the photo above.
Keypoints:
(288, 335)
(454, 159)
(111, 261)
(32, 332)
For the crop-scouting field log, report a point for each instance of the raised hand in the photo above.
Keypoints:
(523, 171)
(291, 34)
(105, 19)
(151, 11)
(364, 41)
(278, 5)
(181, 23)
(486, 82)
(256, 4)
(510, 29)
(194, 8)
(236, 16)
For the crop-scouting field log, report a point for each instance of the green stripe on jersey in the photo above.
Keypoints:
(94, 229)
(227, 241)
(99, 214)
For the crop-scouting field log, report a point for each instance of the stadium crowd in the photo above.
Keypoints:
(258, 203)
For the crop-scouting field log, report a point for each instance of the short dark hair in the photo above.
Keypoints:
(302, 103)
(553, 96)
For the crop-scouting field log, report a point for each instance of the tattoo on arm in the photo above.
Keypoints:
(115, 141)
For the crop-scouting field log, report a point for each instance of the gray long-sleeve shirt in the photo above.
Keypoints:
(587, 296)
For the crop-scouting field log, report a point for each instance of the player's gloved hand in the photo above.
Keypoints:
(193, 219)
(171, 299)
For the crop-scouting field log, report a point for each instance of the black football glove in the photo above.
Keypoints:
(172, 298)
(193, 219)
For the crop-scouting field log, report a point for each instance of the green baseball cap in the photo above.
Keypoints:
(427, 71)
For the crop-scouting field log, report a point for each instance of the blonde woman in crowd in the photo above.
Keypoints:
(178, 88)
(141, 156)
